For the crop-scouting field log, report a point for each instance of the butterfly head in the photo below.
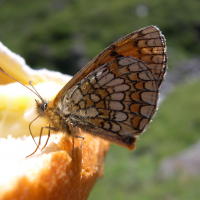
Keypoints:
(41, 107)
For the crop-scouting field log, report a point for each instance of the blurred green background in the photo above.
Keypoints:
(64, 35)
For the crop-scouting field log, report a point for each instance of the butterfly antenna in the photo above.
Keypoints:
(34, 91)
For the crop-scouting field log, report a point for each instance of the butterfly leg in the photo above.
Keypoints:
(48, 127)
(78, 136)
(47, 137)
(74, 136)
(31, 131)
(72, 132)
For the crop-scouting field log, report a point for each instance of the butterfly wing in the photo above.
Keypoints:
(146, 44)
(115, 95)
(116, 101)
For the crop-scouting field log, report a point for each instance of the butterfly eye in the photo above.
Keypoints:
(43, 106)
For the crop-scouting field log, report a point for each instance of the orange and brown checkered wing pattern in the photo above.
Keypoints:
(115, 95)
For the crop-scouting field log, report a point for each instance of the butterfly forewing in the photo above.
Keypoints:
(146, 44)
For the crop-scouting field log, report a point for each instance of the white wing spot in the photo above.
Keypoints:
(115, 127)
(117, 96)
(107, 78)
(92, 112)
(120, 116)
(121, 88)
(77, 96)
(95, 97)
(114, 82)
(127, 61)
(115, 105)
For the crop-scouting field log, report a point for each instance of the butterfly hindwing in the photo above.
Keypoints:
(116, 101)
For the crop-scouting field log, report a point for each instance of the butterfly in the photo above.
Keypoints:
(115, 95)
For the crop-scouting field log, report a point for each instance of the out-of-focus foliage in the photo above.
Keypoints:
(65, 35)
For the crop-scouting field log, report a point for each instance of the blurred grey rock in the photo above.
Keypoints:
(185, 163)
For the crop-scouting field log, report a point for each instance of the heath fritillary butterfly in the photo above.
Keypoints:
(115, 95)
